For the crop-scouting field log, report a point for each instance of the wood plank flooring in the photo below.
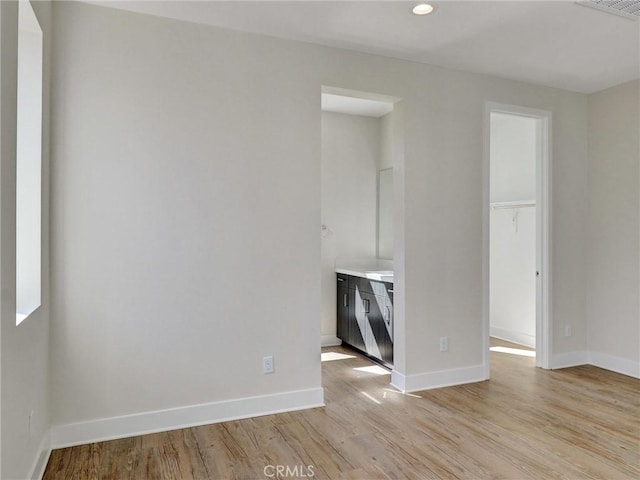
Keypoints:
(525, 423)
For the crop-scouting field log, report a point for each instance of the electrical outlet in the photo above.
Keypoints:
(267, 364)
(567, 330)
(444, 344)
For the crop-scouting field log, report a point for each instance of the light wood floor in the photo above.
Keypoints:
(525, 423)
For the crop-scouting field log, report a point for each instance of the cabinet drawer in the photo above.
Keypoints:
(342, 280)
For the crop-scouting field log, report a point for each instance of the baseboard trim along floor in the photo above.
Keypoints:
(183, 417)
(441, 378)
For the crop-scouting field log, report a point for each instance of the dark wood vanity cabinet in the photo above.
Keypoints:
(365, 316)
(343, 301)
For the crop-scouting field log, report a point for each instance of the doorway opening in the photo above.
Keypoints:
(360, 132)
(516, 233)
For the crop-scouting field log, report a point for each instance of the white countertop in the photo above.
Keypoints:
(371, 268)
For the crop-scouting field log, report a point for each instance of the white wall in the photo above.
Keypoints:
(443, 216)
(186, 214)
(613, 285)
(512, 278)
(25, 348)
(390, 137)
(350, 159)
(385, 214)
(513, 150)
(514, 147)
(186, 209)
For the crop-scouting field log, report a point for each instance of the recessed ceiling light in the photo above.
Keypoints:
(422, 9)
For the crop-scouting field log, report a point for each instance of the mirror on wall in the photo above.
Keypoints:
(385, 214)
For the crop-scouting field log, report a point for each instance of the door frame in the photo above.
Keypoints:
(543, 231)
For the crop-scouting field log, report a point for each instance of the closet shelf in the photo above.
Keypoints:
(516, 204)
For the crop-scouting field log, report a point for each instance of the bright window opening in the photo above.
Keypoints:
(29, 164)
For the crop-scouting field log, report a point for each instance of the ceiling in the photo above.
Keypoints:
(554, 43)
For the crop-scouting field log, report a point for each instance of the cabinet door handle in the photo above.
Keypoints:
(390, 290)
(366, 306)
(388, 316)
(341, 279)
(345, 300)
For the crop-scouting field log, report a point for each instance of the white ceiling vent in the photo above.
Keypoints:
(625, 8)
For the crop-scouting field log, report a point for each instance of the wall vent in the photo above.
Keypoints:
(624, 8)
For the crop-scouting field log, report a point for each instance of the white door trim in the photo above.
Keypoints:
(543, 231)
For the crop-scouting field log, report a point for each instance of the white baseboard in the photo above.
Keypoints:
(597, 359)
(40, 462)
(569, 359)
(513, 336)
(183, 417)
(442, 378)
(615, 364)
(398, 381)
(330, 341)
